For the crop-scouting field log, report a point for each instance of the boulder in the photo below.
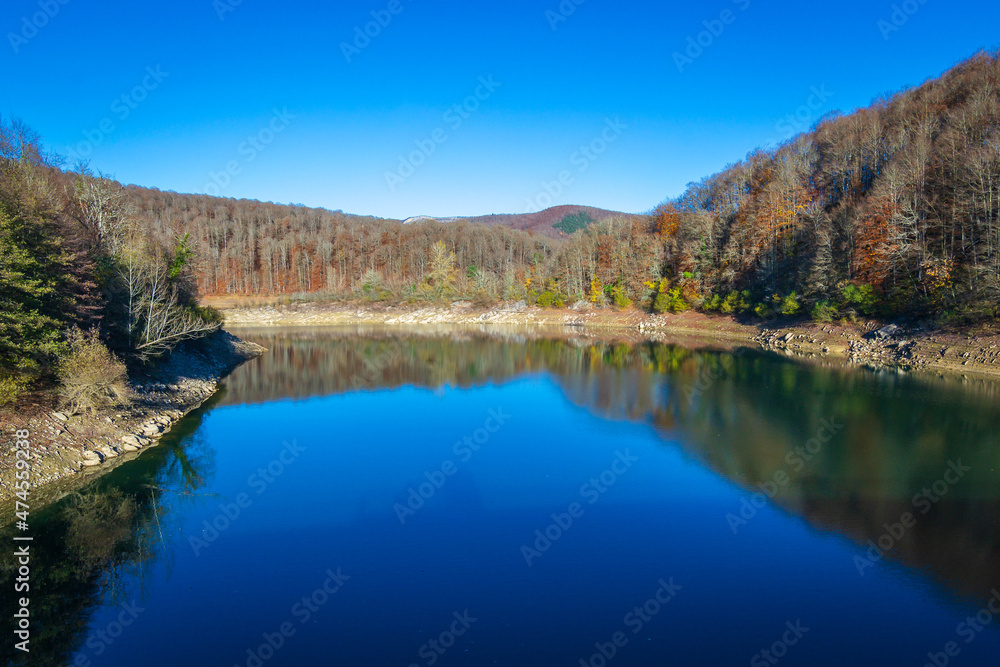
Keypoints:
(887, 332)
(92, 458)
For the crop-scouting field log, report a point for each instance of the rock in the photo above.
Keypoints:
(92, 458)
(579, 305)
(789, 337)
(886, 332)
(60, 416)
(163, 420)
(129, 447)
(152, 430)
(132, 440)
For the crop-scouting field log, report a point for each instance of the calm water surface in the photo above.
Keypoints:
(457, 499)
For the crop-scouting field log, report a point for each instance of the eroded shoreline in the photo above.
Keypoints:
(68, 451)
(870, 344)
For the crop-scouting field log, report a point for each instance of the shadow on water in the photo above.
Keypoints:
(753, 418)
(98, 546)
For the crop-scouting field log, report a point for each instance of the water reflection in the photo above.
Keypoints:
(742, 413)
(756, 419)
(98, 546)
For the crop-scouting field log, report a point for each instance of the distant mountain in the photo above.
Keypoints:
(541, 222)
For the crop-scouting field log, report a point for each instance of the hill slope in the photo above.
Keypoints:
(540, 222)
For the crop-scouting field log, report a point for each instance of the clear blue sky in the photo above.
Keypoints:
(607, 62)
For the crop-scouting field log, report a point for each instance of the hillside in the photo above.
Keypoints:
(892, 209)
(889, 210)
(540, 222)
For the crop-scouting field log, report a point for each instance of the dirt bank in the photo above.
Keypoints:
(68, 450)
(869, 343)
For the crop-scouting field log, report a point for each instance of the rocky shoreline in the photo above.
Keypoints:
(69, 450)
(873, 344)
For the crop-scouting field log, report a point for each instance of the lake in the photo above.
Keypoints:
(462, 498)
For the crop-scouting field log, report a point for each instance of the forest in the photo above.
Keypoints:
(887, 211)
(85, 290)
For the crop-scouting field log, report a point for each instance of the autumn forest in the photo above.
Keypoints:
(890, 210)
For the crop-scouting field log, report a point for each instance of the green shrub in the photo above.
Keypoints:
(824, 312)
(862, 298)
(550, 299)
(11, 388)
(616, 293)
(736, 302)
(671, 301)
(790, 305)
(764, 311)
(208, 314)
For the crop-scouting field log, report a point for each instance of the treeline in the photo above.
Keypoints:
(85, 288)
(891, 209)
(253, 248)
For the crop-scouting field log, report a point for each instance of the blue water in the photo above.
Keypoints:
(395, 524)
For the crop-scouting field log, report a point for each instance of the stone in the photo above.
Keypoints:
(132, 440)
(60, 416)
(152, 430)
(887, 332)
